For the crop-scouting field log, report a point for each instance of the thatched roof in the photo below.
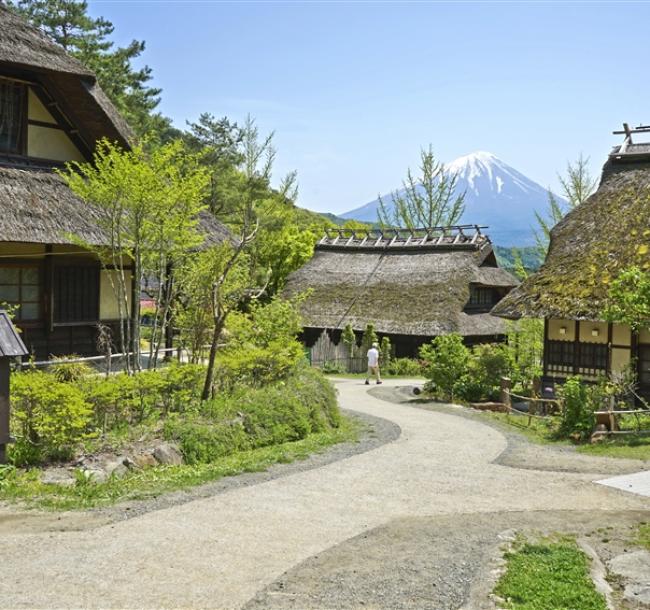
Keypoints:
(590, 247)
(408, 290)
(38, 207)
(28, 53)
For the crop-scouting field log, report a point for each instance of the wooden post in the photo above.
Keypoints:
(5, 437)
(537, 392)
(506, 386)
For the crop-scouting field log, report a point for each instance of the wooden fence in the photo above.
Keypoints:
(325, 352)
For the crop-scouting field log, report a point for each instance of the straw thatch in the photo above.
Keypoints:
(23, 45)
(414, 291)
(27, 53)
(589, 248)
(38, 207)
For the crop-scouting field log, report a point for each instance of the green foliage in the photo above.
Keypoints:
(629, 298)
(282, 245)
(348, 337)
(262, 346)
(147, 204)
(643, 535)
(151, 482)
(334, 367)
(577, 185)
(124, 399)
(549, 575)
(368, 338)
(406, 367)
(515, 260)
(578, 412)
(385, 354)
(303, 404)
(487, 364)
(445, 361)
(49, 418)
(70, 371)
(525, 341)
(425, 201)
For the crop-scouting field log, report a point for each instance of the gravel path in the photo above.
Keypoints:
(519, 452)
(221, 551)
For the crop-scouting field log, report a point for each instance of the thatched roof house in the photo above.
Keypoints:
(412, 285)
(53, 111)
(589, 248)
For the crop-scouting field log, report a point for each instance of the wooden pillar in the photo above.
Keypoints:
(5, 436)
(506, 386)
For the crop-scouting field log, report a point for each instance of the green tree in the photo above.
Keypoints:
(446, 360)
(146, 203)
(68, 23)
(219, 141)
(577, 186)
(425, 201)
(258, 155)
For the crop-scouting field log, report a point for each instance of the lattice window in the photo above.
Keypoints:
(20, 287)
(76, 294)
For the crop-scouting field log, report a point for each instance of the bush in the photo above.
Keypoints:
(70, 371)
(249, 418)
(578, 413)
(487, 364)
(49, 418)
(333, 367)
(129, 399)
(262, 347)
(404, 366)
(445, 361)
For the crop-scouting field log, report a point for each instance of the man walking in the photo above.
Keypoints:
(373, 364)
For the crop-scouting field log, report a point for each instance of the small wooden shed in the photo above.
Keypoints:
(11, 346)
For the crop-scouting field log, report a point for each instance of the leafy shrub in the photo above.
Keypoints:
(183, 384)
(404, 366)
(578, 413)
(70, 371)
(249, 418)
(130, 399)
(445, 361)
(333, 367)
(487, 364)
(470, 389)
(49, 417)
(262, 347)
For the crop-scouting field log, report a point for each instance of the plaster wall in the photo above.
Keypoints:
(555, 332)
(108, 304)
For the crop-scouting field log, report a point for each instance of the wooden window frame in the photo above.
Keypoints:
(478, 301)
(21, 149)
(32, 322)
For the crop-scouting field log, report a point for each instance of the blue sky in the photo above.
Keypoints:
(353, 90)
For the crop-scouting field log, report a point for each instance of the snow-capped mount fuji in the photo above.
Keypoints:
(496, 195)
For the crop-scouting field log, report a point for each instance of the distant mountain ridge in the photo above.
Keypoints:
(496, 195)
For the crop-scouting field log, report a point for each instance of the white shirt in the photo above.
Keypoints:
(373, 356)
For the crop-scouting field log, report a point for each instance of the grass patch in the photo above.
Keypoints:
(629, 447)
(643, 535)
(548, 575)
(544, 432)
(25, 486)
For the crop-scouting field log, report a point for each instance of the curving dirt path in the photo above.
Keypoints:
(221, 551)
